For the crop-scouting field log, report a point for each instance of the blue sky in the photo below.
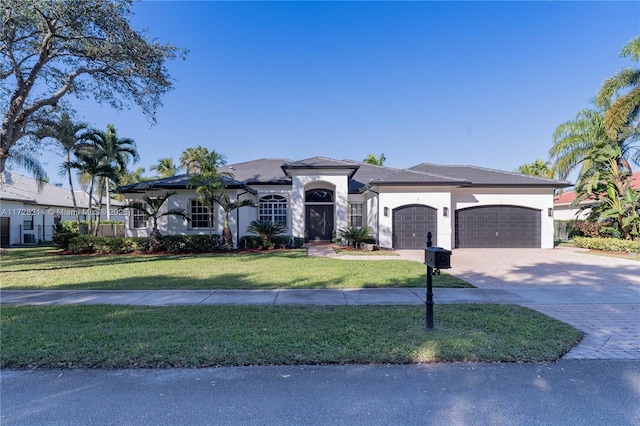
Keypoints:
(480, 83)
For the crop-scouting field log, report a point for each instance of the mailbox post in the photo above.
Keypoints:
(434, 257)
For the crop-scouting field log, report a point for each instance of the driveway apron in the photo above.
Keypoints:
(596, 294)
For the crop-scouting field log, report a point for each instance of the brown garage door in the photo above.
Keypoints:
(411, 224)
(497, 226)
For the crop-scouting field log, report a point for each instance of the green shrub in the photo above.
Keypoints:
(67, 226)
(192, 243)
(281, 241)
(608, 244)
(250, 242)
(298, 242)
(107, 245)
(62, 239)
(81, 244)
(277, 241)
(355, 235)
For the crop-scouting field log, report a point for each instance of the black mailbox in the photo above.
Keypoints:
(437, 257)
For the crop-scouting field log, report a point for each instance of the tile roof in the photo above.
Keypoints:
(262, 171)
(479, 176)
(173, 182)
(322, 163)
(273, 171)
(21, 188)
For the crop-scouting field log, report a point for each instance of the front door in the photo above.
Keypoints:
(320, 222)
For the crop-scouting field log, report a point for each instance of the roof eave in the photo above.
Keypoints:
(286, 167)
(516, 185)
(412, 183)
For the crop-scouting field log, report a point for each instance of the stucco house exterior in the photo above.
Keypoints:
(462, 206)
(28, 214)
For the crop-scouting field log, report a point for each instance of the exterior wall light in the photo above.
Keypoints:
(445, 212)
(550, 212)
(386, 212)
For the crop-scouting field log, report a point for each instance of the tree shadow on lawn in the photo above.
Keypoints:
(228, 281)
(50, 260)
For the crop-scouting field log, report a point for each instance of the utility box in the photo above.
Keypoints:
(437, 257)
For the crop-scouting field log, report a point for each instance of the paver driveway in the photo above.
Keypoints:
(598, 295)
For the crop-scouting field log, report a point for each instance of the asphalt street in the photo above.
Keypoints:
(569, 392)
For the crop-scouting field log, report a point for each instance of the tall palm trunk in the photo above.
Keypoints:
(99, 209)
(89, 215)
(73, 193)
(107, 191)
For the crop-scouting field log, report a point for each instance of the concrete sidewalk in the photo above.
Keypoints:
(574, 295)
(365, 296)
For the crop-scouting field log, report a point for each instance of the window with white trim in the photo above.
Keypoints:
(355, 215)
(137, 218)
(273, 208)
(200, 215)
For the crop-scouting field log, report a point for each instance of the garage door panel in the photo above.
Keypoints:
(497, 226)
(411, 224)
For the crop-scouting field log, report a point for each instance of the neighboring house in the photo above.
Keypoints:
(462, 206)
(563, 208)
(29, 215)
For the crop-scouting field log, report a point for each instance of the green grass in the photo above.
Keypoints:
(104, 336)
(43, 268)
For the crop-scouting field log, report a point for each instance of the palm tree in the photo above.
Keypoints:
(608, 181)
(355, 235)
(622, 114)
(574, 139)
(126, 177)
(89, 164)
(207, 181)
(114, 151)
(266, 230)
(228, 206)
(68, 135)
(151, 209)
(537, 168)
(193, 159)
(166, 168)
(28, 162)
(376, 161)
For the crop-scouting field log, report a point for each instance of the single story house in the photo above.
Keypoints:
(564, 209)
(28, 214)
(462, 206)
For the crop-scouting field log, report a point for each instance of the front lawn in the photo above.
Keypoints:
(104, 336)
(43, 268)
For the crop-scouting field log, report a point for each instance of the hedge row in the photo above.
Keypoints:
(608, 244)
(79, 244)
(171, 243)
(277, 241)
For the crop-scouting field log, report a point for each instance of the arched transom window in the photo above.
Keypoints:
(319, 196)
(273, 208)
